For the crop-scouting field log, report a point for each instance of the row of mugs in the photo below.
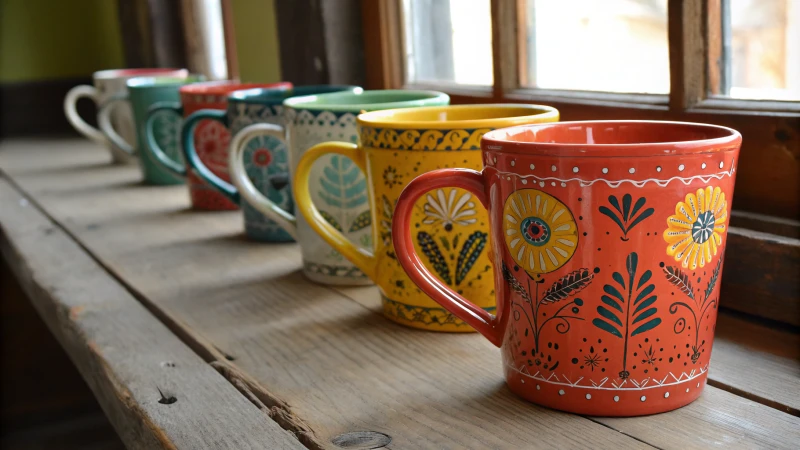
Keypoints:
(590, 252)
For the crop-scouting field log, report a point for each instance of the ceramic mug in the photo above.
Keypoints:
(608, 242)
(141, 95)
(106, 84)
(256, 121)
(337, 183)
(210, 137)
(394, 147)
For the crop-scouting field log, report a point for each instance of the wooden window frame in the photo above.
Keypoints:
(767, 181)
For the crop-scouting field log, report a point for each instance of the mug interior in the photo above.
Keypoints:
(368, 100)
(271, 96)
(144, 82)
(129, 73)
(613, 138)
(228, 86)
(459, 116)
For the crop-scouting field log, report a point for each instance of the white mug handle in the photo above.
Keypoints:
(71, 111)
(107, 128)
(246, 188)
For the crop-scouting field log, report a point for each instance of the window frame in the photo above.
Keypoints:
(770, 157)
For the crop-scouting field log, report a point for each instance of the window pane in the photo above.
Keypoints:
(609, 45)
(763, 55)
(448, 41)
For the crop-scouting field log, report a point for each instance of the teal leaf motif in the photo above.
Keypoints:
(473, 246)
(343, 185)
(606, 327)
(631, 306)
(626, 217)
(431, 251)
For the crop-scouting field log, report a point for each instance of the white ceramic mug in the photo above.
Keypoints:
(108, 83)
(311, 120)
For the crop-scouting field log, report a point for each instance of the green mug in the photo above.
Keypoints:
(142, 94)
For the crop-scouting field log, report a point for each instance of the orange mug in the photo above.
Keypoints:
(608, 240)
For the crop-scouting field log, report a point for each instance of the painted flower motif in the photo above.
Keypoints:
(266, 164)
(391, 178)
(540, 231)
(448, 210)
(261, 157)
(695, 231)
(211, 142)
(167, 130)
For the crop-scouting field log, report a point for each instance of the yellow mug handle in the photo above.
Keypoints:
(362, 258)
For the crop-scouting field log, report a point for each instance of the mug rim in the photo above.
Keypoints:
(498, 141)
(389, 118)
(110, 74)
(413, 98)
(163, 81)
(225, 87)
(266, 96)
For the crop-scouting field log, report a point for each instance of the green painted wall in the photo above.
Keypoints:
(50, 39)
(257, 40)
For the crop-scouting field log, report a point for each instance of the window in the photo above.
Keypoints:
(448, 41)
(729, 62)
(612, 46)
(762, 41)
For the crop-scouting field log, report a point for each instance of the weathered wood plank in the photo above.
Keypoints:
(154, 390)
(340, 365)
(760, 276)
(757, 361)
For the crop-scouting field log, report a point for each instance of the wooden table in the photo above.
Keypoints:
(192, 337)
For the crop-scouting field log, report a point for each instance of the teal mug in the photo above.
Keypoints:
(212, 137)
(338, 181)
(256, 120)
(142, 93)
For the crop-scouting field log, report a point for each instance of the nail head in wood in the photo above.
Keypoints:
(362, 440)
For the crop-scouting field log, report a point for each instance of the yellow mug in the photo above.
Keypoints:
(450, 227)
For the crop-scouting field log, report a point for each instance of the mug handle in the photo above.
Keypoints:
(152, 146)
(194, 161)
(107, 128)
(484, 322)
(245, 187)
(71, 111)
(363, 259)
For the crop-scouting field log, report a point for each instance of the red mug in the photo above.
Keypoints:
(607, 241)
(209, 137)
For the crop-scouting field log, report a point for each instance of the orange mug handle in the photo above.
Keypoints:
(484, 322)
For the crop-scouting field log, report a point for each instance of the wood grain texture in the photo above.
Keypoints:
(757, 361)
(761, 275)
(154, 390)
(327, 354)
(384, 66)
(506, 49)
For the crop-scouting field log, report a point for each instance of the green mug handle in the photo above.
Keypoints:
(194, 161)
(152, 146)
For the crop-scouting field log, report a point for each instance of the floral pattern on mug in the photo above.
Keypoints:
(339, 189)
(266, 162)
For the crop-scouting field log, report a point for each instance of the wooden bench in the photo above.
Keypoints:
(190, 336)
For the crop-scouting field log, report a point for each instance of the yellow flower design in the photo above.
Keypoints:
(695, 231)
(540, 231)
